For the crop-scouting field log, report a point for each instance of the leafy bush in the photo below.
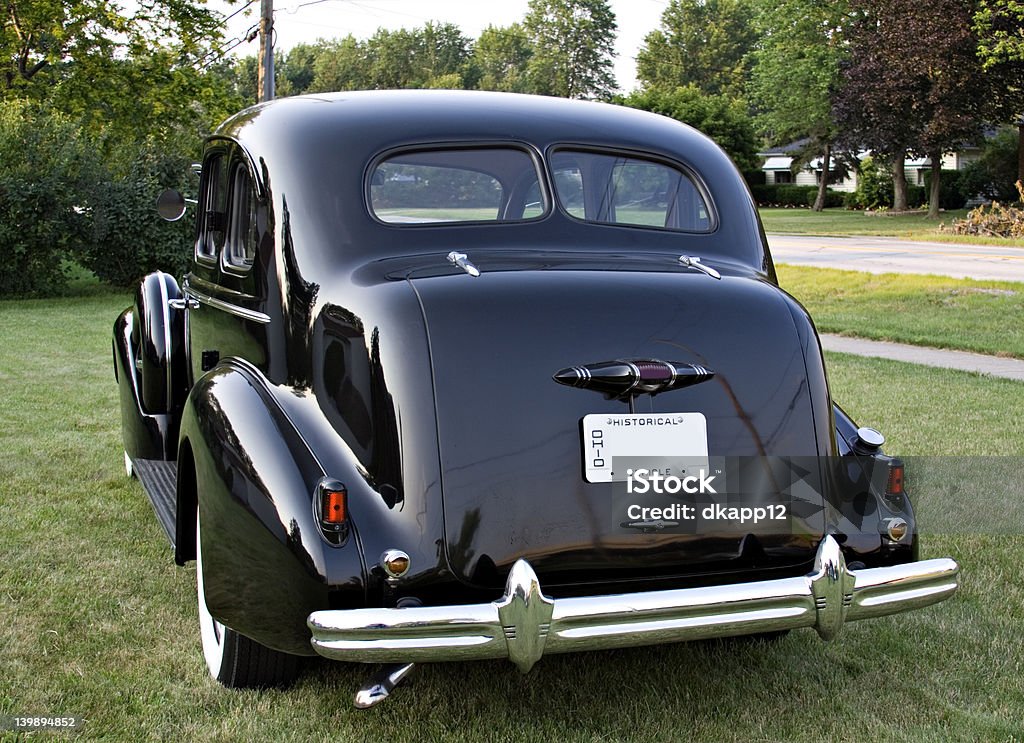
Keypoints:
(951, 193)
(874, 186)
(59, 201)
(46, 169)
(993, 174)
(997, 221)
(917, 196)
(788, 195)
(128, 238)
(832, 198)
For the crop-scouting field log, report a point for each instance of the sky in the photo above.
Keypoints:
(306, 21)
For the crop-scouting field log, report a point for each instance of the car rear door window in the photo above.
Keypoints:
(627, 190)
(476, 184)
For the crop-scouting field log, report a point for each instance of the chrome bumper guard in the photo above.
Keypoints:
(524, 624)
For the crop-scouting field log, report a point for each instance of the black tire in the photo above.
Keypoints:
(158, 344)
(233, 659)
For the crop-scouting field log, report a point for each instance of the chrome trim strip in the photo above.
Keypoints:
(524, 624)
(231, 309)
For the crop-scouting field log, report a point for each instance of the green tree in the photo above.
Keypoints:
(502, 57)
(339, 65)
(999, 26)
(39, 36)
(294, 70)
(701, 42)
(796, 68)
(722, 118)
(414, 58)
(573, 47)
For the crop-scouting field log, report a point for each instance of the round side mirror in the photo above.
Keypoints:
(170, 205)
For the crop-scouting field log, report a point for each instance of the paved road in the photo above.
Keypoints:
(886, 254)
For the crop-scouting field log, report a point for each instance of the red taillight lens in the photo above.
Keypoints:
(653, 371)
(333, 505)
(894, 487)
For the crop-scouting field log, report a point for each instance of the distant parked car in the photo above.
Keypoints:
(434, 357)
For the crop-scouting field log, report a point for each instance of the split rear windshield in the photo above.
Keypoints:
(504, 184)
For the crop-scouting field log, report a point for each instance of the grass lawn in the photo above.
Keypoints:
(95, 620)
(963, 314)
(844, 222)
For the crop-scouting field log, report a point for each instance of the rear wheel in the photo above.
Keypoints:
(233, 659)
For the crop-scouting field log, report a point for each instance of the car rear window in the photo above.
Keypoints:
(610, 188)
(479, 184)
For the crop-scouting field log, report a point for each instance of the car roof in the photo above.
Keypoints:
(379, 118)
(315, 152)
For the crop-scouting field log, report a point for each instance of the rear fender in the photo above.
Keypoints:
(266, 566)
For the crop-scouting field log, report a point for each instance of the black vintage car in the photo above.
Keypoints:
(466, 375)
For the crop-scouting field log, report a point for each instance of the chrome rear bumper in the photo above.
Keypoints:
(524, 624)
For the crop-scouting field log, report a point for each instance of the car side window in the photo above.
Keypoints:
(212, 217)
(240, 248)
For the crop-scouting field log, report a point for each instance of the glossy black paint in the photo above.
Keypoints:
(353, 349)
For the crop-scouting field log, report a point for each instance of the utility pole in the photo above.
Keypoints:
(265, 63)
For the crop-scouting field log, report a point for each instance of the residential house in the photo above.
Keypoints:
(778, 162)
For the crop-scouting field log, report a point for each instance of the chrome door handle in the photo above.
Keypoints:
(183, 303)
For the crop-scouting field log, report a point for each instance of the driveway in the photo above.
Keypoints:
(889, 255)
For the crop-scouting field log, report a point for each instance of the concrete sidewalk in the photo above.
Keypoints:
(995, 366)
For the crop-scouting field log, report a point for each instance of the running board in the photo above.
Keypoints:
(159, 479)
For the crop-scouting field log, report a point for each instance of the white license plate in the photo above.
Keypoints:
(664, 438)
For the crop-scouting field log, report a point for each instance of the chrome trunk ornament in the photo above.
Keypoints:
(629, 377)
(693, 261)
(462, 261)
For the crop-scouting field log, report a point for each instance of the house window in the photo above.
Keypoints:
(833, 177)
(783, 176)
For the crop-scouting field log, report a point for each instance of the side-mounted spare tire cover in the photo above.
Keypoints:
(158, 344)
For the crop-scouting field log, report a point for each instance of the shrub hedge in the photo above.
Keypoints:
(787, 195)
(60, 201)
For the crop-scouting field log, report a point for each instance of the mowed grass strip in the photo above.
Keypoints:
(912, 226)
(962, 314)
(95, 620)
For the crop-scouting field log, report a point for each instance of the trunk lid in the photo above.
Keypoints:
(510, 439)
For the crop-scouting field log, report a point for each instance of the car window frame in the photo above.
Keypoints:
(540, 170)
(214, 162)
